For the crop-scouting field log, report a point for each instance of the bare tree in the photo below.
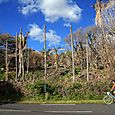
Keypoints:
(16, 55)
(22, 45)
(56, 56)
(87, 57)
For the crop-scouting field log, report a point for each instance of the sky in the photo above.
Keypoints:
(31, 15)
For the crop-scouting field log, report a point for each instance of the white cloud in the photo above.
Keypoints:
(52, 9)
(1, 1)
(29, 6)
(37, 33)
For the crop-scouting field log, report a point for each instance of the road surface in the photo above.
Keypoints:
(53, 109)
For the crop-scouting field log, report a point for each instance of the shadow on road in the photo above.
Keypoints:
(9, 93)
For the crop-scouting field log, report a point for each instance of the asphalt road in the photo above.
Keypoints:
(36, 109)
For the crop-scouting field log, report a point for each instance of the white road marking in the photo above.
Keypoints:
(68, 111)
(11, 110)
(26, 111)
(58, 104)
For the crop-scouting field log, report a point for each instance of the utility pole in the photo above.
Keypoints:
(72, 48)
(45, 64)
(6, 77)
(16, 59)
(45, 55)
(87, 57)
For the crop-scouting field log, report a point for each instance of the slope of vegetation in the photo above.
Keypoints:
(58, 88)
(58, 83)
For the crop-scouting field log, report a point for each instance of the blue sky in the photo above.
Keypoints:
(32, 14)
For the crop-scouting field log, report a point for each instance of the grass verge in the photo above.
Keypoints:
(62, 102)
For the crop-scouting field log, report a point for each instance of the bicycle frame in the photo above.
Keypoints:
(108, 93)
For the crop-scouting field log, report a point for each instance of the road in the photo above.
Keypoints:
(53, 109)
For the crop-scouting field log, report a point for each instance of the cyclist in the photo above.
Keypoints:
(113, 87)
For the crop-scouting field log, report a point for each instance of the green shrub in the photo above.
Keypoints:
(1, 75)
(77, 71)
(76, 91)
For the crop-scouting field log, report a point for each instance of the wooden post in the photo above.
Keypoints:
(87, 57)
(6, 77)
(72, 48)
(16, 57)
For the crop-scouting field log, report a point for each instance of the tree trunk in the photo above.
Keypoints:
(27, 59)
(87, 57)
(20, 56)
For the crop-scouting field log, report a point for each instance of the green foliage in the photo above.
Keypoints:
(8, 92)
(40, 88)
(11, 75)
(62, 88)
(77, 71)
(65, 72)
(77, 91)
(75, 86)
(1, 75)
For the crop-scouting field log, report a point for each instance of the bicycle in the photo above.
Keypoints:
(109, 98)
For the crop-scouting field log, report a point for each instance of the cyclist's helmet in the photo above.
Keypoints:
(113, 80)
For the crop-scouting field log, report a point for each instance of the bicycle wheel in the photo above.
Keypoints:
(108, 99)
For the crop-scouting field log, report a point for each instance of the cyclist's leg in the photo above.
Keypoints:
(113, 92)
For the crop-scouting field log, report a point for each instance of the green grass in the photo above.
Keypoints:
(62, 102)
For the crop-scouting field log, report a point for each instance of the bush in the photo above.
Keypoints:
(1, 75)
(76, 91)
(77, 71)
